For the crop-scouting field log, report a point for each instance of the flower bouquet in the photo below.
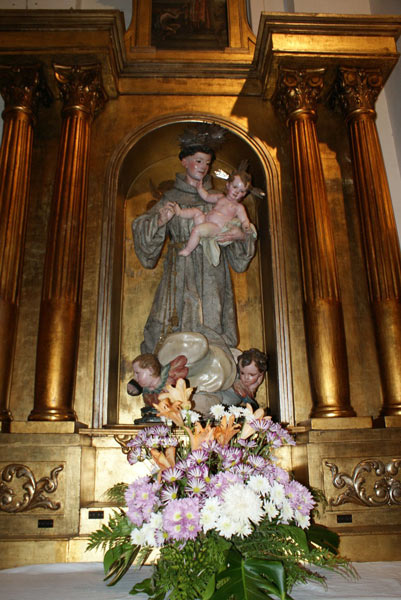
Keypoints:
(226, 521)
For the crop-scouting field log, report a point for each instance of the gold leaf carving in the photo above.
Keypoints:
(122, 440)
(361, 489)
(33, 491)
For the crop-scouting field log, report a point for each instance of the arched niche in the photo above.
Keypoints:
(144, 163)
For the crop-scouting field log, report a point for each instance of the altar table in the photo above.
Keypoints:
(84, 581)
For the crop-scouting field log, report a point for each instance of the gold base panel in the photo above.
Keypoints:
(80, 467)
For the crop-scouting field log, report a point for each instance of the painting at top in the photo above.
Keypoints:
(189, 24)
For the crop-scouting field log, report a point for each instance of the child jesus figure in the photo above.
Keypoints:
(226, 212)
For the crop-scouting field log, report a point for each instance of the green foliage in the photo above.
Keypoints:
(251, 579)
(115, 539)
(115, 532)
(187, 572)
(116, 494)
(296, 549)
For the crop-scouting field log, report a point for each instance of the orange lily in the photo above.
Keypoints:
(170, 410)
(226, 430)
(199, 435)
(180, 393)
(247, 430)
(163, 460)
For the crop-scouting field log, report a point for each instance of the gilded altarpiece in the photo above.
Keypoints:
(313, 297)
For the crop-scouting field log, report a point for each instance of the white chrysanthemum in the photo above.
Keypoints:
(156, 520)
(145, 536)
(259, 484)
(302, 521)
(247, 413)
(243, 529)
(270, 509)
(210, 513)
(277, 493)
(192, 415)
(226, 526)
(237, 411)
(286, 511)
(241, 503)
(218, 411)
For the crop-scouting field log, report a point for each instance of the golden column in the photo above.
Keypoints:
(357, 91)
(22, 88)
(297, 94)
(60, 310)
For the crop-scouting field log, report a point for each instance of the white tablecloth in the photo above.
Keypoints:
(84, 581)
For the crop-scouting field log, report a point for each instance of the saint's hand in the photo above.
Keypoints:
(233, 234)
(166, 213)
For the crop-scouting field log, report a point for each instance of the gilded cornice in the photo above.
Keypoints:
(310, 41)
(65, 36)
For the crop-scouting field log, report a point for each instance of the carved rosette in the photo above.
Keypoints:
(81, 88)
(358, 89)
(33, 492)
(360, 488)
(23, 88)
(298, 90)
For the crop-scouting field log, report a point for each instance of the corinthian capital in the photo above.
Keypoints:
(298, 90)
(81, 87)
(358, 89)
(23, 87)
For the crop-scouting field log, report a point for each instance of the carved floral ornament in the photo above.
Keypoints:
(358, 89)
(33, 492)
(81, 87)
(23, 87)
(298, 90)
(361, 489)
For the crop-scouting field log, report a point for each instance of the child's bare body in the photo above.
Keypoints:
(227, 209)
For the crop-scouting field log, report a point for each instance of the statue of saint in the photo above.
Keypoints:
(193, 294)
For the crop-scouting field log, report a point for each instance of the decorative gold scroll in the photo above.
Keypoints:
(34, 491)
(381, 492)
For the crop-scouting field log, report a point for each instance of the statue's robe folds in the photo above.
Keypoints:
(202, 293)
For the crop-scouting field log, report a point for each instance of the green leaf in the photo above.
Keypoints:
(273, 570)
(118, 560)
(251, 579)
(297, 534)
(323, 537)
(211, 586)
(110, 557)
(147, 587)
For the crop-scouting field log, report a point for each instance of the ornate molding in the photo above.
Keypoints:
(81, 87)
(357, 89)
(298, 90)
(384, 491)
(123, 440)
(33, 496)
(23, 87)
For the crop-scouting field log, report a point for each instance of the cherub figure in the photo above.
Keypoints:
(151, 378)
(227, 212)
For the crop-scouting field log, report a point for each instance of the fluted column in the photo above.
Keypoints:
(357, 91)
(22, 88)
(297, 95)
(60, 310)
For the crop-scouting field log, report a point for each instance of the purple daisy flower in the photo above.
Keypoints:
(172, 474)
(181, 519)
(195, 486)
(169, 492)
(198, 456)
